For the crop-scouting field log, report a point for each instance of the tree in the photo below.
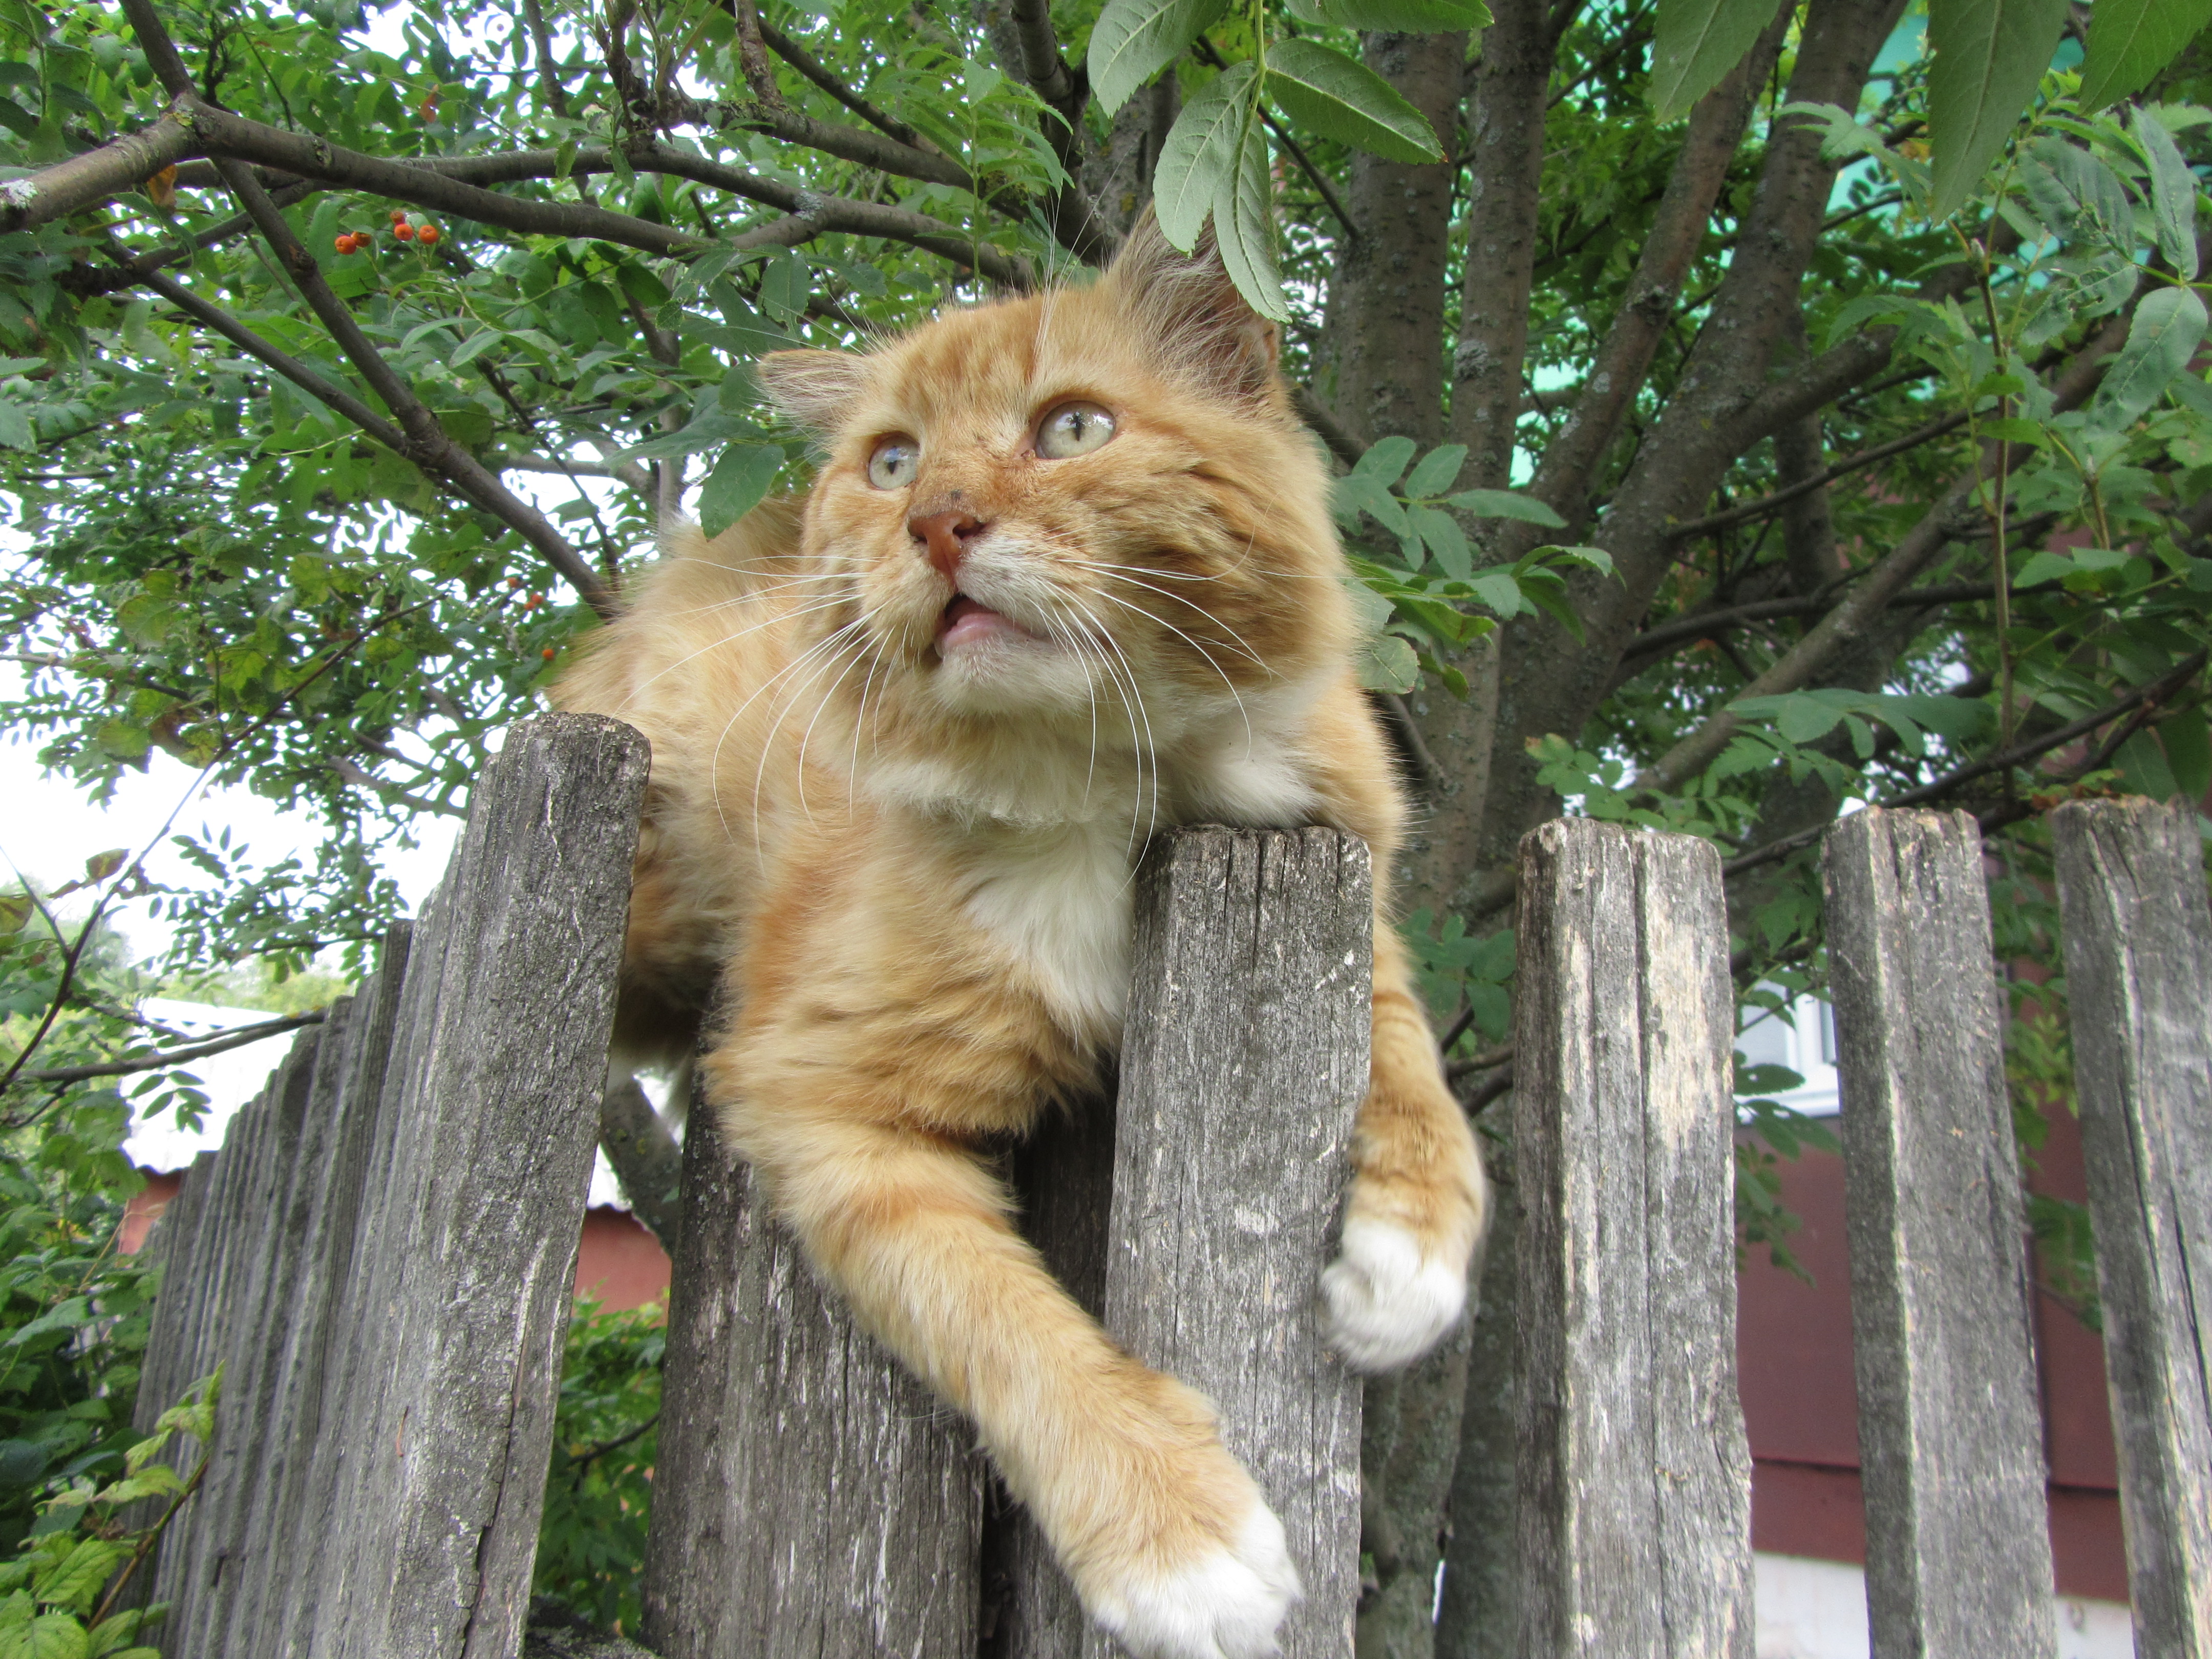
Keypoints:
(1742, 412)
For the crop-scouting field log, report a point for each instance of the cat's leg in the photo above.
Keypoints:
(1419, 1202)
(1166, 1538)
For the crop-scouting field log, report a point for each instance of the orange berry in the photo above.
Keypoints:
(405, 233)
(549, 654)
(427, 235)
(344, 244)
(399, 215)
(514, 582)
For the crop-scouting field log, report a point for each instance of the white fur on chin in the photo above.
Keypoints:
(1383, 1304)
(1226, 1604)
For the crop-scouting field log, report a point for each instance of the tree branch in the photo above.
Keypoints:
(1698, 625)
(1953, 513)
(2157, 691)
(808, 65)
(224, 1044)
(82, 180)
(1767, 505)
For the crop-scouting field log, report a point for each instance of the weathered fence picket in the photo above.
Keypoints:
(829, 1508)
(2139, 963)
(1635, 1477)
(1950, 1438)
(381, 1256)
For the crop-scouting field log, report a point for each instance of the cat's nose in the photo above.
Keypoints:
(945, 535)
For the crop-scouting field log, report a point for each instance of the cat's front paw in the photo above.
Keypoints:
(1385, 1302)
(1226, 1603)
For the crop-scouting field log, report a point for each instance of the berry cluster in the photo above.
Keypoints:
(355, 241)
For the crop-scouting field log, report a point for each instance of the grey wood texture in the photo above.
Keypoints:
(1063, 1176)
(1634, 1486)
(381, 1254)
(1243, 1063)
(2138, 944)
(1950, 1440)
(495, 1079)
(810, 1498)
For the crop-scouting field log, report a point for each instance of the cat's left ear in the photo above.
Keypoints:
(1192, 309)
(816, 389)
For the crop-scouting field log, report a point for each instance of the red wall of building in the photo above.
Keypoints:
(618, 1260)
(1800, 1405)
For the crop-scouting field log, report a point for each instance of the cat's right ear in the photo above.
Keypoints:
(1188, 304)
(816, 389)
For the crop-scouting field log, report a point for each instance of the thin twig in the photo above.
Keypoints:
(237, 1039)
(1767, 505)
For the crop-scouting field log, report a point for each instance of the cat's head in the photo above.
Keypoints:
(1070, 502)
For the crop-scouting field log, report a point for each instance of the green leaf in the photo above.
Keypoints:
(2143, 764)
(1339, 98)
(1385, 460)
(1437, 471)
(1244, 226)
(2172, 193)
(1990, 56)
(76, 1580)
(1135, 40)
(16, 431)
(2068, 185)
(1497, 591)
(1200, 149)
(1696, 43)
(784, 286)
(1365, 492)
(1406, 17)
(742, 476)
(2131, 40)
(1507, 504)
(2160, 342)
(2189, 752)
(1446, 541)
(1387, 663)
(53, 1636)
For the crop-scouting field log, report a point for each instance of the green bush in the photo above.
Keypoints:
(598, 1492)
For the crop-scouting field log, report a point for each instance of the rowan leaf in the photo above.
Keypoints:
(1244, 226)
(741, 478)
(2160, 342)
(1200, 149)
(1437, 471)
(1406, 17)
(1508, 504)
(1990, 56)
(1339, 98)
(2172, 193)
(2131, 40)
(1696, 43)
(1135, 40)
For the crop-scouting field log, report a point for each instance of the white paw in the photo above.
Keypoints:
(1226, 1604)
(1383, 1304)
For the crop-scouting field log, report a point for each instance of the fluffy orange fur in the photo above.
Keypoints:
(908, 738)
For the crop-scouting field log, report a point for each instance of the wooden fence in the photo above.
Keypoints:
(381, 1255)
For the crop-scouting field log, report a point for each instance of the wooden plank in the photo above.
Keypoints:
(2139, 971)
(259, 1146)
(436, 1520)
(332, 1156)
(238, 1477)
(812, 1499)
(1634, 1486)
(1950, 1443)
(1244, 1061)
(1063, 1176)
(357, 1324)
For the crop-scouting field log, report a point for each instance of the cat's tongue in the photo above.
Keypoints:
(966, 623)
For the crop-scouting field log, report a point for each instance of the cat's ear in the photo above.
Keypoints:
(1192, 310)
(816, 389)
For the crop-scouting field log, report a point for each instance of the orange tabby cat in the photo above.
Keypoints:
(1067, 574)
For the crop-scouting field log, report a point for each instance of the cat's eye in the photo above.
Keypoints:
(1073, 430)
(894, 461)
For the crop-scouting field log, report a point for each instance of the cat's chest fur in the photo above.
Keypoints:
(1060, 897)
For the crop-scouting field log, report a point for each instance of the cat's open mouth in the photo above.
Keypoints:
(967, 622)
